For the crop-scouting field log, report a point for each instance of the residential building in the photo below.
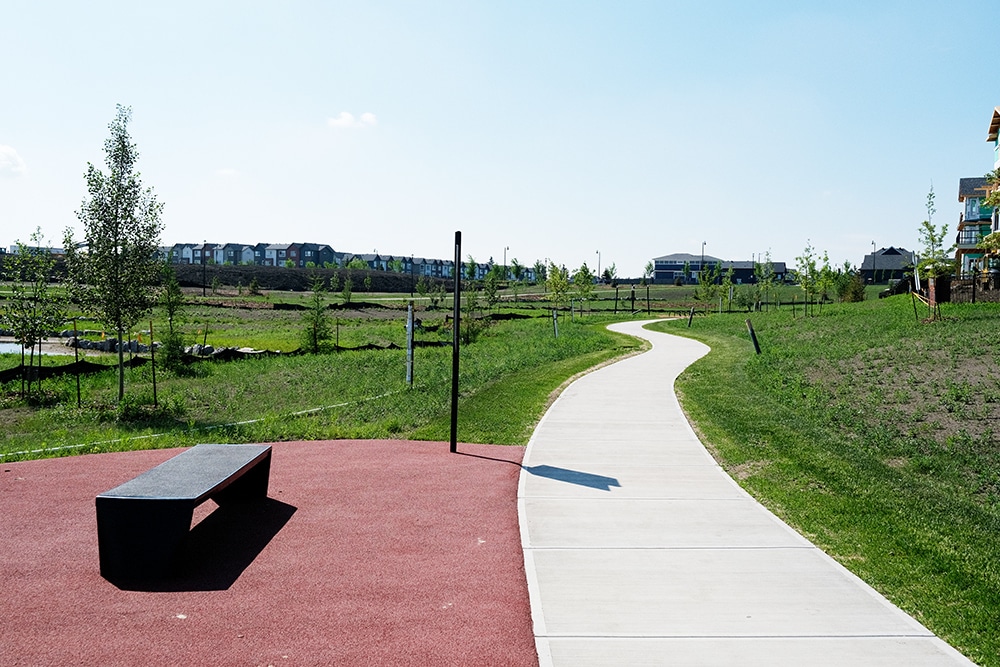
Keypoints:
(887, 264)
(236, 253)
(993, 136)
(182, 253)
(203, 253)
(686, 267)
(974, 222)
(276, 254)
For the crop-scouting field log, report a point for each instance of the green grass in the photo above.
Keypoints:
(873, 435)
(505, 378)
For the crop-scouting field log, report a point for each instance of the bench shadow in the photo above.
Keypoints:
(573, 477)
(218, 549)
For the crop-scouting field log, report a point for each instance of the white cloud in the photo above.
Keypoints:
(347, 119)
(11, 163)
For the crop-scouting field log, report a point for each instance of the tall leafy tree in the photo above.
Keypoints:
(114, 277)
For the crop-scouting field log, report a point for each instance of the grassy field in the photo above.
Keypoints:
(874, 435)
(505, 378)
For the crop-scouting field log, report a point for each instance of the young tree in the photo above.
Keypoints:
(540, 271)
(557, 283)
(708, 278)
(317, 331)
(114, 278)
(516, 269)
(610, 275)
(764, 272)
(172, 302)
(347, 289)
(32, 310)
(808, 274)
(935, 261)
(583, 281)
(491, 286)
(825, 280)
(648, 271)
(471, 269)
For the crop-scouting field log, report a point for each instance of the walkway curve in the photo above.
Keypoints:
(639, 549)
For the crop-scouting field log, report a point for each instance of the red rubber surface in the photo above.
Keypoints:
(367, 553)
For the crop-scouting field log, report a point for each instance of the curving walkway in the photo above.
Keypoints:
(639, 549)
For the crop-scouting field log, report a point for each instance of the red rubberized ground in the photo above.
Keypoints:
(366, 553)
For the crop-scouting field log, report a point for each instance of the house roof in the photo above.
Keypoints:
(971, 187)
(685, 257)
(889, 259)
(994, 125)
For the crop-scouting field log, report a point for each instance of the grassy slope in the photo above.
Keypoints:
(871, 434)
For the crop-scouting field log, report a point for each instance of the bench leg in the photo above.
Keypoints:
(252, 485)
(138, 538)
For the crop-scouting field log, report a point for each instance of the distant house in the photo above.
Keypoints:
(887, 264)
(237, 253)
(327, 256)
(182, 253)
(294, 254)
(276, 254)
(203, 253)
(686, 267)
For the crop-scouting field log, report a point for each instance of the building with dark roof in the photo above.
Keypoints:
(667, 270)
(887, 264)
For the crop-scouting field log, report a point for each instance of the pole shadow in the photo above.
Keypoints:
(573, 477)
(218, 550)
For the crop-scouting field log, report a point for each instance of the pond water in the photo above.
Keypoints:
(14, 348)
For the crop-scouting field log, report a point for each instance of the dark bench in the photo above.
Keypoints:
(142, 523)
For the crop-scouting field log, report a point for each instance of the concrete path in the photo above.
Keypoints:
(640, 550)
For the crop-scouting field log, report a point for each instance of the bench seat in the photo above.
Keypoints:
(142, 523)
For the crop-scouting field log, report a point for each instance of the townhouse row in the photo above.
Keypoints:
(304, 255)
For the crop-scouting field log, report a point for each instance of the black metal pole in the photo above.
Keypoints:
(152, 362)
(76, 360)
(456, 324)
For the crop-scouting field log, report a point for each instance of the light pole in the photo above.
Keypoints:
(701, 267)
(598, 265)
(873, 262)
(505, 249)
(204, 270)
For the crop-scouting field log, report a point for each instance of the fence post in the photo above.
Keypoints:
(753, 337)
(690, 317)
(555, 322)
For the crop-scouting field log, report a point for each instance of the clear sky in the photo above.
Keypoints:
(555, 129)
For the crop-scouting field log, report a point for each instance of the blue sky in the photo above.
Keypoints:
(557, 130)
